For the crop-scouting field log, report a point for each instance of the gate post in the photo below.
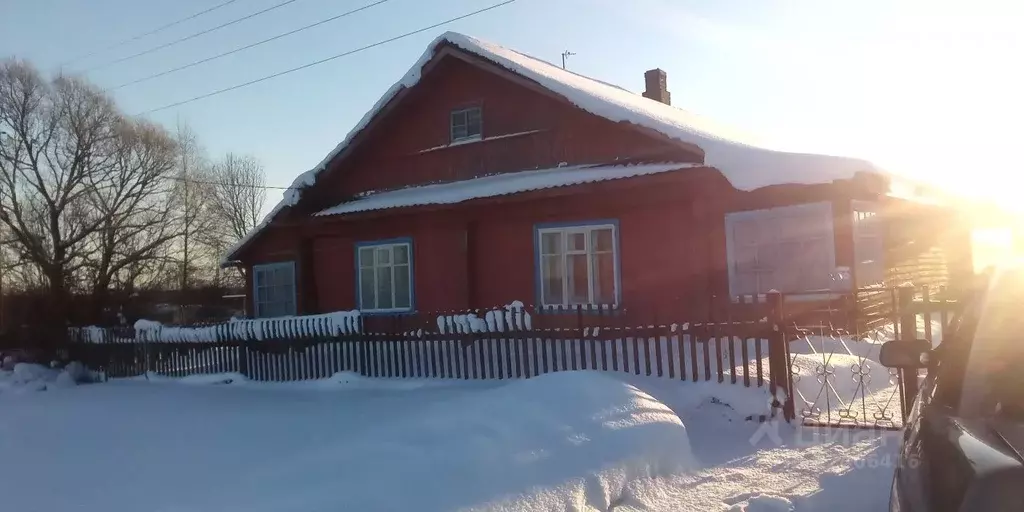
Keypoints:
(907, 332)
(778, 357)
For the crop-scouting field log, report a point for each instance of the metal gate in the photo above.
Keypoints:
(836, 379)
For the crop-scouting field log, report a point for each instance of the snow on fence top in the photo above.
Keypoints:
(746, 164)
(513, 317)
(327, 324)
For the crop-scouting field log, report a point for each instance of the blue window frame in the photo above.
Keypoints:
(384, 276)
(577, 263)
(274, 289)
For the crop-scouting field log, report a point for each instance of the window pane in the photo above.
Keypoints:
(551, 243)
(366, 286)
(601, 239)
(745, 232)
(604, 278)
(579, 288)
(767, 256)
(402, 292)
(286, 277)
(383, 256)
(366, 257)
(746, 282)
(551, 279)
(384, 298)
(459, 118)
(744, 258)
(473, 123)
(402, 253)
(576, 242)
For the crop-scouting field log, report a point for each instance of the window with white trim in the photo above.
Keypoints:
(274, 289)
(385, 277)
(789, 249)
(578, 265)
(466, 124)
(868, 245)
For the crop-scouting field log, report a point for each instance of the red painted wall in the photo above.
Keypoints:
(439, 260)
(671, 236)
(391, 153)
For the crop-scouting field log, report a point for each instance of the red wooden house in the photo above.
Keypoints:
(486, 176)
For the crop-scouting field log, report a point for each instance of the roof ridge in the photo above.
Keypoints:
(747, 165)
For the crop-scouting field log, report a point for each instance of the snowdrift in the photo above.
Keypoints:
(29, 377)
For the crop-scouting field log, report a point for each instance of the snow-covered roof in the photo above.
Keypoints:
(746, 164)
(498, 185)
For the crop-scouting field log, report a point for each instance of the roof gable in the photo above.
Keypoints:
(744, 163)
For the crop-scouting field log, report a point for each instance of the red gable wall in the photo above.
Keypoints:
(392, 154)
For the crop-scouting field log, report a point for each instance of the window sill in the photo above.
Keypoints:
(590, 309)
(382, 312)
(473, 140)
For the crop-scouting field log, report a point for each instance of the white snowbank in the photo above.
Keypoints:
(29, 377)
(566, 441)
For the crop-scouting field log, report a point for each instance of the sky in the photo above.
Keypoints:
(930, 89)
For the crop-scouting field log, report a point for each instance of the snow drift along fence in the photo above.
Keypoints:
(513, 341)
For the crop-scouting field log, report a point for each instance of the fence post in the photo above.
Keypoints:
(778, 357)
(228, 334)
(907, 332)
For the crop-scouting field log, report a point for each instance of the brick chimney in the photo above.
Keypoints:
(657, 86)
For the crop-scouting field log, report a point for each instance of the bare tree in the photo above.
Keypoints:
(194, 218)
(56, 136)
(239, 195)
(135, 203)
(239, 189)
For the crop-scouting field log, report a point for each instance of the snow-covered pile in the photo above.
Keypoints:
(28, 377)
(565, 441)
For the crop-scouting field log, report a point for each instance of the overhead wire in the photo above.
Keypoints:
(136, 37)
(328, 59)
(190, 36)
(207, 182)
(248, 46)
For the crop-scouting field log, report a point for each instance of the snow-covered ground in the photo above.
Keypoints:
(563, 441)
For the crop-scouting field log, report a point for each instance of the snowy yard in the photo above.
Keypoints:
(564, 441)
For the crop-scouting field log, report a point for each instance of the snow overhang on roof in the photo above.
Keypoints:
(746, 164)
(499, 185)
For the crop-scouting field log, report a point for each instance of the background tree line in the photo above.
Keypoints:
(97, 203)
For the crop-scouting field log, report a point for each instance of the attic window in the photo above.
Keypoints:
(466, 124)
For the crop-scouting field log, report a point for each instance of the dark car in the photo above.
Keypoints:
(963, 445)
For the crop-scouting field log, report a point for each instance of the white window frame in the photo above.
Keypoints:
(390, 247)
(822, 209)
(587, 230)
(261, 270)
(465, 112)
(862, 211)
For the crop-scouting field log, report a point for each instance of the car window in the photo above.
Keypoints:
(994, 380)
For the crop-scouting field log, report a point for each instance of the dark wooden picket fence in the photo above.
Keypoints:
(501, 343)
(745, 341)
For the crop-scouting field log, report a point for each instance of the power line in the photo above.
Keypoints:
(246, 47)
(206, 182)
(192, 36)
(328, 59)
(149, 33)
